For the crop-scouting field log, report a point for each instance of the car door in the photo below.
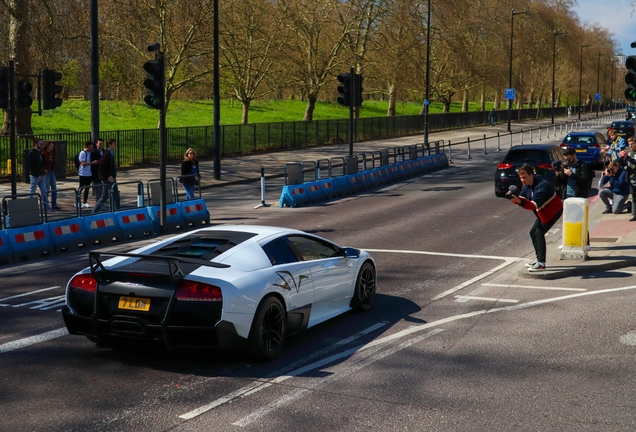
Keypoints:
(331, 273)
(291, 275)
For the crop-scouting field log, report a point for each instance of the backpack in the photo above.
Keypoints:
(76, 160)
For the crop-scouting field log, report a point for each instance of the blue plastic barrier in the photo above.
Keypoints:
(365, 180)
(374, 178)
(102, 228)
(355, 183)
(68, 235)
(293, 196)
(135, 223)
(6, 253)
(30, 242)
(175, 220)
(328, 189)
(314, 192)
(195, 212)
(342, 186)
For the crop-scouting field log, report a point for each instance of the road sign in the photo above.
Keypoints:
(509, 93)
(426, 102)
(597, 96)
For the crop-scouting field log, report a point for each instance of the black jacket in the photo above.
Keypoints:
(35, 163)
(582, 178)
(186, 170)
(106, 166)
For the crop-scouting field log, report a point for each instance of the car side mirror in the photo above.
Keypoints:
(351, 252)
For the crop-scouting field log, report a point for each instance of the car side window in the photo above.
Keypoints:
(311, 249)
(279, 252)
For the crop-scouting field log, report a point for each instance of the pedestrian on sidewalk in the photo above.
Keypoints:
(96, 155)
(540, 197)
(48, 156)
(108, 176)
(84, 172)
(37, 175)
(569, 111)
(189, 173)
(493, 117)
(617, 191)
(629, 157)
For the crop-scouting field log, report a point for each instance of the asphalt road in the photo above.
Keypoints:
(455, 340)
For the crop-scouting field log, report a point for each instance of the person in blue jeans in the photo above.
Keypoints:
(48, 156)
(37, 174)
(108, 175)
(189, 173)
(618, 190)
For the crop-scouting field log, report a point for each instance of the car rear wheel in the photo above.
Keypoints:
(268, 331)
(365, 288)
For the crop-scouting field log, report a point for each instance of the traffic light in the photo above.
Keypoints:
(630, 78)
(24, 98)
(358, 93)
(154, 83)
(50, 89)
(4, 88)
(344, 89)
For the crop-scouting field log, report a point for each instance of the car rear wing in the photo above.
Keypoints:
(173, 264)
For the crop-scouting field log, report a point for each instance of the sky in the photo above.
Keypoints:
(614, 15)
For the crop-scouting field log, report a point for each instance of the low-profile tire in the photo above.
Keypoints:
(364, 292)
(268, 331)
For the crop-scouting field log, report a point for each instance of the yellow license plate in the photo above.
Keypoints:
(134, 304)
(581, 150)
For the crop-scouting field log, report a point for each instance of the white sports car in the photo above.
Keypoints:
(219, 287)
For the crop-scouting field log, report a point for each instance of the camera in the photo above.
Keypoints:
(513, 191)
(560, 165)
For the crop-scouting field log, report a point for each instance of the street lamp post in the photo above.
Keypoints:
(581, 79)
(512, 22)
(428, 69)
(554, 35)
(598, 77)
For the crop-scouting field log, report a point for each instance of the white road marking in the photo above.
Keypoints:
(447, 254)
(420, 328)
(534, 287)
(29, 293)
(279, 376)
(40, 304)
(629, 339)
(472, 281)
(22, 343)
(340, 371)
(465, 297)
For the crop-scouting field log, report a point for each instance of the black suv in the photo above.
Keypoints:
(539, 156)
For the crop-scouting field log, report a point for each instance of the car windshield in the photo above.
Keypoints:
(579, 139)
(527, 156)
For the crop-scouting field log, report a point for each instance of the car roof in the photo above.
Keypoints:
(583, 133)
(533, 147)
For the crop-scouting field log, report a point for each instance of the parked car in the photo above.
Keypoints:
(588, 146)
(623, 128)
(539, 156)
(218, 287)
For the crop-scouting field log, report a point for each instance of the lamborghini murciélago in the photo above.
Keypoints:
(219, 287)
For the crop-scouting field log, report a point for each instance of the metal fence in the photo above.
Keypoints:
(141, 146)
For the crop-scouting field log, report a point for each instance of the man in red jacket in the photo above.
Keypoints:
(539, 196)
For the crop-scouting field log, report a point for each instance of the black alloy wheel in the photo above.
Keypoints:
(268, 331)
(365, 288)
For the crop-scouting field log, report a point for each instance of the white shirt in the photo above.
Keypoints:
(85, 171)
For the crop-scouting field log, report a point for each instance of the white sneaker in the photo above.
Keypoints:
(531, 264)
(86, 205)
(587, 247)
(560, 247)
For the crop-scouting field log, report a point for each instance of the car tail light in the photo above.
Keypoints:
(84, 282)
(198, 291)
(504, 165)
(545, 166)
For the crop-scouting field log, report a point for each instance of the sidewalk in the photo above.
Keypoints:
(613, 237)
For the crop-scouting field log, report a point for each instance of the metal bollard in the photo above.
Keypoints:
(469, 148)
(521, 142)
(498, 143)
(539, 133)
(262, 204)
(510, 133)
(485, 152)
(531, 136)
(450, 154)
